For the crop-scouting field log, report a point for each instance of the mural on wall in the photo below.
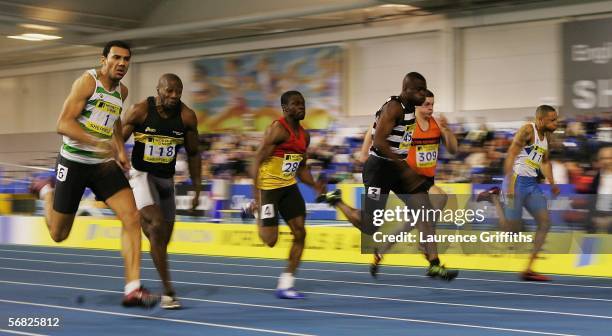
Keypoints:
(242, 93)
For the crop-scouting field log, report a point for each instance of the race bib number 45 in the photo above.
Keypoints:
(291, 163)
(407, 139)
(103, 117)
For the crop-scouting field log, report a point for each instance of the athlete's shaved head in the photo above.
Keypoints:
(170, 90)
(167, 79)
(413, 89)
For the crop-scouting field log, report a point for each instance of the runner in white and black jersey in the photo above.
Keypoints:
(386, 168)
(92, 156)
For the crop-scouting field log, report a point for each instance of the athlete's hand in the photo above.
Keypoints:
(256, 201)
(122, 159)
(554, 189)
(105, 147)
(320, 186)
(195, 201)
(442, 122)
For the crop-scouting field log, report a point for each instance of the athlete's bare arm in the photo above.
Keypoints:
(391, 113)
(523, 137)
(450, 141)
(117, 138)
(548, 172)
(365, 146)
(304, 173)
(135, 115)
(67, 124)
(274, 135)
(192, 148)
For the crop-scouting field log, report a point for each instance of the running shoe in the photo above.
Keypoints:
(169, 302)
(487, 195)
(533, 276)
(331, 198)
(375, 263)
(289, 293)
(439, 271)
(140, 297)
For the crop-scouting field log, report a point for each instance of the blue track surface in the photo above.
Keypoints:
(234, 296)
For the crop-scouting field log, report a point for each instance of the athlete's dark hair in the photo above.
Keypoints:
(287, 95)
(116, 43)
(429, 94)
(543, 110)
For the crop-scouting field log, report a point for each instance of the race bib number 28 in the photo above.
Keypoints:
(291, 163)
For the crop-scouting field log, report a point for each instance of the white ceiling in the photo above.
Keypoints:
(153, 25)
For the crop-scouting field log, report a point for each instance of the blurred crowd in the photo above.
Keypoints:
(482, 151)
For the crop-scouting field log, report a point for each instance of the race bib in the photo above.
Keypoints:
(291, 163)
(160, 149)
(534, 159)
(407, 139)
(103, 117)
(426, 155)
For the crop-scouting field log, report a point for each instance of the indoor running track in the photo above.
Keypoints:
(234, 296)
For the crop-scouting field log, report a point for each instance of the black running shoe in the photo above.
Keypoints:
(331, 198)
(439, 271)
(375, 264)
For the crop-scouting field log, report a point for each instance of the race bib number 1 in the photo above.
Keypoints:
(103, 117)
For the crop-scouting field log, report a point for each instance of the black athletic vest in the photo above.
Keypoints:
(401, 136)
(156, 142)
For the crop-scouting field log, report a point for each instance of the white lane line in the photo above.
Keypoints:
(204, 284)
(105, 312)
(321, 280)
(15, 332)
(317, 311)
(327, 270)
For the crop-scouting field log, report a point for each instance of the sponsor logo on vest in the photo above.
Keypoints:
(149, 129)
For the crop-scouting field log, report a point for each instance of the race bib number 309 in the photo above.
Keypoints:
(426, 155)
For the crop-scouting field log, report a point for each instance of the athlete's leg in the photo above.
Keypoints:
(267, 221)
(158, 231)
(70, 182)
(297, 226)
(124, 206)
(293, 209)
(537, 206)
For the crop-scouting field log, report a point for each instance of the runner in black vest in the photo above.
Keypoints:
(161, 125)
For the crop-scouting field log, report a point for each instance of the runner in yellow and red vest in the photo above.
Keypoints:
(426, 134)
(280, 158)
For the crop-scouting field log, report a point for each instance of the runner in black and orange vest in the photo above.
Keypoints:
(427, 133)
(280, 158)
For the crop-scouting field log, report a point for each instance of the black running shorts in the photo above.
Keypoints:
(287, 201)
(71, 179)
(380, 177)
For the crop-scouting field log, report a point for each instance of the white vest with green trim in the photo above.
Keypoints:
(98, 118)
